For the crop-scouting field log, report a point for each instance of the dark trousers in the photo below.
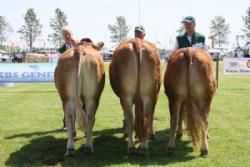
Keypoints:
(64, 123)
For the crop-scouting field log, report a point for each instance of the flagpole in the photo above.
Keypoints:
(139, 10)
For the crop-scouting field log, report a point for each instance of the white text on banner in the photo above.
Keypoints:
(27, 72)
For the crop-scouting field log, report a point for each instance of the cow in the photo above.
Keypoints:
(135, 78)
(79, 79)
(190, 85)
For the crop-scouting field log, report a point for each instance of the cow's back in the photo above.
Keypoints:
(189, 70)
(124, 69)
(92, 76)
(175, 79)
(80, 72)
(150, 76)
(201, 76)
(65, 76)
(135, 64)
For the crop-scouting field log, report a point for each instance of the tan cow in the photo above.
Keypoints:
(79, 79)
(190, 85)
(135, 78)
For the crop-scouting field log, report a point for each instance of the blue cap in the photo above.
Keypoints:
(140, 28)
(188, 19)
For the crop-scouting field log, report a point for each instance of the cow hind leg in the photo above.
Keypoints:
(180, 123)
(148, 107)
(80, 114)
(204, 133)
(69, 109)
(125, 126)
(91, 107)
(204, 143)
(175, 107)
(127, 105)
(152, 134)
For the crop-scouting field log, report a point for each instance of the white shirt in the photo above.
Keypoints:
(68, 46)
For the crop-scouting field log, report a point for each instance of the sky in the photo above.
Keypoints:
(161, 18)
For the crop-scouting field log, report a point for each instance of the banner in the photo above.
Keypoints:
(236, 65)
(27, 72)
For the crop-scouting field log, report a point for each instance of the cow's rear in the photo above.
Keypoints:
(135, 78)
(190, 85)
(79, 79)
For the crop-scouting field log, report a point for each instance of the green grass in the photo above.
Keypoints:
(31, 116)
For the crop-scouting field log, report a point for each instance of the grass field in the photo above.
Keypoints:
(31, 118)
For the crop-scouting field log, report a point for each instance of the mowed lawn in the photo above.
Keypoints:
(31, 119)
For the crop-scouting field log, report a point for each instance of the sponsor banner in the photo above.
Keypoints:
(236, 65)
(27, 72)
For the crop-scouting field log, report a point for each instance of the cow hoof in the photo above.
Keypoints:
(70, 152)
(178, 136)
(153, 137)
(171, 151)
(88, 150)
(204, 153)
(142, 151)
(132, 151)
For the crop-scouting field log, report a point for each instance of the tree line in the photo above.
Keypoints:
(32, 28)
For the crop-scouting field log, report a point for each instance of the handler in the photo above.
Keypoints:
(139, 32)
(69, 41)
(190, 38)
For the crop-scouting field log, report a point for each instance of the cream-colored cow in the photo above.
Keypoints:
(80, 79)
(135, 78)
(190, 85)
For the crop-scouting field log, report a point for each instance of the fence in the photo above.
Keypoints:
(44, 72)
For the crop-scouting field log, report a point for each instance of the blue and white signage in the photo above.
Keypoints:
(27, 72)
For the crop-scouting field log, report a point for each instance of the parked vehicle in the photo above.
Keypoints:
(5, 57)
(236, 53)
(107, 54)
(246, 50)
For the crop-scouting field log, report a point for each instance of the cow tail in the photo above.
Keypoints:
(80, 114)
(55, 76)
(140, 119)
(194, 121)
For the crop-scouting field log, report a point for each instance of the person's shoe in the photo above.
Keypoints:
(124, 124)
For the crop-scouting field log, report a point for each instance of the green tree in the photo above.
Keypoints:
(181, 29)
(31, 28)
(5, 28)
(219, 31)
(246, 28)
(119, 31)
(57, 23)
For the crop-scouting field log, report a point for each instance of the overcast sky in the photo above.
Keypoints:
(161, 18)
